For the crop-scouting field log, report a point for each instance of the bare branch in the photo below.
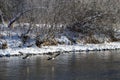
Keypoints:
(20, 14)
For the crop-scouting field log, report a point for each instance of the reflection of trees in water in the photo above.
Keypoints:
(93, 65)
(44, 69)
(3, 71)
(99, 65)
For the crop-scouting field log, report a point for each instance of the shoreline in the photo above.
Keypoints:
(45, 50)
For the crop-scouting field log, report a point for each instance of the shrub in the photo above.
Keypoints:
(91, 39)
(51, 42)
(38, 43)
(25, 38)
(3, 44)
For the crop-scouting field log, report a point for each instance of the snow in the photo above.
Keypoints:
(14, 42)
(63, 39)
(46, 49)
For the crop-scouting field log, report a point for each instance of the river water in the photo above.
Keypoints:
(75, 66)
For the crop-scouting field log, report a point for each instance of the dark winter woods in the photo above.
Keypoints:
(49, 18)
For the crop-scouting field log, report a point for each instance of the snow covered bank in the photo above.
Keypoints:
(15, 43)
(63, 48)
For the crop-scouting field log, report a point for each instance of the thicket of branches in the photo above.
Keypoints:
(84, 16)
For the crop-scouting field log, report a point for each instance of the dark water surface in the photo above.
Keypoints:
(75, 66)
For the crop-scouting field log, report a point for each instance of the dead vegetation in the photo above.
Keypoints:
(3, 44)
(51, 42)
(86, 17)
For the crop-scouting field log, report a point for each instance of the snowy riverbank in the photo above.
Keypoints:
(62, 48)
(15, 43)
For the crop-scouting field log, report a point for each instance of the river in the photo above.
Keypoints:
(75, 66)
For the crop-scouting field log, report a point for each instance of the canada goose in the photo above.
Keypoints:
(52, 57)
(26, 56)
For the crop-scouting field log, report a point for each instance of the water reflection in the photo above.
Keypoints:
(75, 66)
